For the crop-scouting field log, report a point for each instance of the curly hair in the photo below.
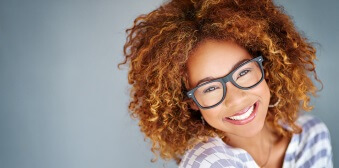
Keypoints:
(158, 46)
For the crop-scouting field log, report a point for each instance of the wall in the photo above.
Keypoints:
(63, 100)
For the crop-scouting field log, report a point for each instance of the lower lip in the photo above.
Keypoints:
(247, 120)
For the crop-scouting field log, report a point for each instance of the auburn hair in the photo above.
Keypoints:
(159, 43)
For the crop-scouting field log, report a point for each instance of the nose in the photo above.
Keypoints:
(234, 96)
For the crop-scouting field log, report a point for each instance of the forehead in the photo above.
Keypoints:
(214, 59)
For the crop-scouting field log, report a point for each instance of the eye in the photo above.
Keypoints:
(242, 73)
(210, 89)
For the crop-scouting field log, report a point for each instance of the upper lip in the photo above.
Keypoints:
(242, 111)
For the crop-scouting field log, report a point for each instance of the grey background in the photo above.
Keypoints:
(63, 100)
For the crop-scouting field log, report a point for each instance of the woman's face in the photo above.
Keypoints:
(217, 59)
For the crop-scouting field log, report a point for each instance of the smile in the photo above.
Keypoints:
(245, 116)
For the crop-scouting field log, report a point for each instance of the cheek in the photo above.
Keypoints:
(267, 89)
(264, 92)
(213, 114)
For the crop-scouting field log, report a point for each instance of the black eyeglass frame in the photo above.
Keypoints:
(228, 78)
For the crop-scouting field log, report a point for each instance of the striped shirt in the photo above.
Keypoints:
(310, 148)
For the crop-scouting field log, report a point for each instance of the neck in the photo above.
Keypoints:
(257, 146)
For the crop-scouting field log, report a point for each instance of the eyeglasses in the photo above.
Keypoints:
(246, 76)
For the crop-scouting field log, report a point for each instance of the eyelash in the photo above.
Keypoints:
(207, 90)
(247, 70)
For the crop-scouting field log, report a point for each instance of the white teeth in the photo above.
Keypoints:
(243, 116)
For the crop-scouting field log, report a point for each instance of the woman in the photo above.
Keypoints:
(225, 84)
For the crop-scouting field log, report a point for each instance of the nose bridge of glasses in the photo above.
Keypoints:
(227, 78)
(229, 85)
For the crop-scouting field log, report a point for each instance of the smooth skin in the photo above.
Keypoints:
(217, 59)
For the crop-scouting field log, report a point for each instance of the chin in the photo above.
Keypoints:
(247, 132)
(254, 130)
(255, 127)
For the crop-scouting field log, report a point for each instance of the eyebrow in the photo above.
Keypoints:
(209, 78)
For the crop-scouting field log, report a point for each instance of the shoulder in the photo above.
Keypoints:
(313, 143)
(313, 129)
(215, 154)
